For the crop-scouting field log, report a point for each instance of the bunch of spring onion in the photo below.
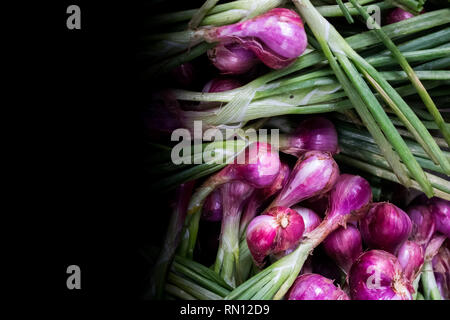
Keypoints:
(383, 89)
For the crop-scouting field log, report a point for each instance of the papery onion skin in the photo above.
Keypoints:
(276, 37)
(397, 15)
(377, 275)
(278, 230)
(310, 218)
(344, 245)
(441, 268)
(212, 208)
(261, 165)
(260, 196)
(350, 195)
(385, 227)
(232, 58)
(315, 133)
(440, 209)
(315, 287)
(423, 224)
(411, 257)
(315, 173)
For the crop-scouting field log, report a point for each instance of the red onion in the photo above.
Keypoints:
(310, 218)
(397, 15)
(385, 227)
(351, 195)
(441, 268)
(423, 224)
(232, 58)
(440, 209)
(314, 174)
(184, 74)
(312, 134)
(221, 84)
(315, 287)
(411, 258)
(311, 221)
(377, 275)
(259, 169)
(259, 196)
(277, 37)
(344, 246)
(278, 230)
(212, 208)
(234, 197)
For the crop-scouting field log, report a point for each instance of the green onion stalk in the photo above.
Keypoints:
(429, 285)
(274, 281)
(358, 91)
(411, 75)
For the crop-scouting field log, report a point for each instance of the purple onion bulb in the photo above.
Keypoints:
(411, 257)
(315, 173)
(278, 230)
(385, 227)
(221, 84)
(315, 133)
(377, 275)
(343, 246)
(212, 208)
(423, 224)
(397, 15)
(312, 286)
(351, 195)
(232, 58)
(310, 218)
(440, 209)
(276, 37)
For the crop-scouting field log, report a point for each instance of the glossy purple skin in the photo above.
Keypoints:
(260, 167)
(344, 245)
(312, 134)
(310, 218)
(259, 196)
(411, 258)
(377, 275)
(397, 15)
(278, 184)
(278, 230)
(440, 209)
(184, 74)
(232, 58)
(312, 286)
(423, 224)
(441, 267)
(277, 37)
(212, 208)
(350, 195)
(315, 173)
(221, 84)
(385, 227)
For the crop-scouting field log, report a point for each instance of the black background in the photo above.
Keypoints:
(93, 205)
